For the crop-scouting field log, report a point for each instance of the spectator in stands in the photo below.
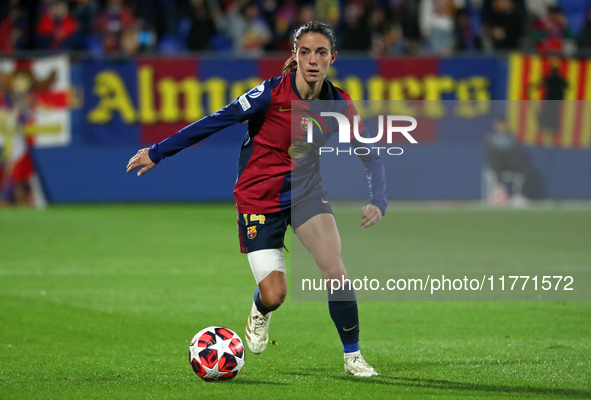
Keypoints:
(555, 87)
(248, 31)
(465, 38)
(503, 26)
(286, 21)
(115, 21)
(167, 21)
(328, 11)
(306, 14)
(138, 38)
(522, 6)
(12, 30)
(407, 13)
(355, 33)
(437, 25)
(5, 8)
(85, 12)
(56, 27)
(254, 27)
(584, 37)
(386, 33)
(202, 26)
(160, 15)
(268, 13)
(538, 8)
(551, 32)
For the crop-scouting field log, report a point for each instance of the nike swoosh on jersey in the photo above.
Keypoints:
(350, 329)
(281, 109)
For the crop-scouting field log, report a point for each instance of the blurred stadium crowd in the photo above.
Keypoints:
(256, 27)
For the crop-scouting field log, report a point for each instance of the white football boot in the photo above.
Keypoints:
(257, 330)
(356, 365)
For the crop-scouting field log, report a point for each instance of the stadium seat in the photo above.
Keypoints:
(221, 43)
(576, 11)
(169, 44)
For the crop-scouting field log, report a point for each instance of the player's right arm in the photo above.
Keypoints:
(255, 102)
(148, 158)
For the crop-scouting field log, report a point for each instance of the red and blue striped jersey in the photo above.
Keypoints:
(278, 168)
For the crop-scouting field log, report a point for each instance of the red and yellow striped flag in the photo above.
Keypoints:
(525, 94)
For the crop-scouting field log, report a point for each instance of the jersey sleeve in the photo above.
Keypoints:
(374, 168)
(376, 176)
(249, 105)
(254, 103)
(193, 133)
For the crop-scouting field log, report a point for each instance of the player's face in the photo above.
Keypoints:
(313, 56)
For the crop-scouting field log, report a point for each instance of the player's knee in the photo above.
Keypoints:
(272, 299)
(333, 270)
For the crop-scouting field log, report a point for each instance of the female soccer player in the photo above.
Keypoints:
(279, 183)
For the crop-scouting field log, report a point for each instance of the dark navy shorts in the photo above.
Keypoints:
(267, 231)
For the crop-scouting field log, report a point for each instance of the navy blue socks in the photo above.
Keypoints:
(342, 306)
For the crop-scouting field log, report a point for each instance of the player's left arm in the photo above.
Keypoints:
(376, 179)
(375, 173)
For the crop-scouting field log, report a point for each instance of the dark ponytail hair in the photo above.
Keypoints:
(291, 64)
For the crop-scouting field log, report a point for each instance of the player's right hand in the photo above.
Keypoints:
(141, 159)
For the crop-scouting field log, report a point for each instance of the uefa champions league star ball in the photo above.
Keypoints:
(216, 354)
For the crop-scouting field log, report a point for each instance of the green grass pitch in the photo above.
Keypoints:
(100, 302)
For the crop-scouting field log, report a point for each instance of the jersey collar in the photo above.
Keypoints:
(324, 93)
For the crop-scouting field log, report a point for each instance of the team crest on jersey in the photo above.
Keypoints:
(251, 232)
(314, 119)
(304, 123)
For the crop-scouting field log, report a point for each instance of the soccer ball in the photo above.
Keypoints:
(216, 353)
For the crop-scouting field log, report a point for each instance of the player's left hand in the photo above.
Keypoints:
(370, 215)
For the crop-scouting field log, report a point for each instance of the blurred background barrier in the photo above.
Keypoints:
(80, 120)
